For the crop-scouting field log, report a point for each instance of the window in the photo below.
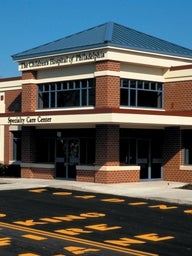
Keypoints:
(45, 150)
(78, 93)
(137, 93)
(17, 146)
(187, 147)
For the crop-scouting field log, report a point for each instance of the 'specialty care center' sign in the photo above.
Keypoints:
(61, 60)
(20, 120)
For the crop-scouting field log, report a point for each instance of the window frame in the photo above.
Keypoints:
(130, 90)
(78, 92)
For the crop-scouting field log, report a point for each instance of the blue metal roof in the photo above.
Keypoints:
(108, 34)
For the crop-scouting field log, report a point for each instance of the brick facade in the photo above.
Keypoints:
(176, 96)
(37, 173)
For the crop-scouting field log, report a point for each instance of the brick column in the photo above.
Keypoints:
(172, 154)
(107, 85)
(29, 92)
(28, 153)
(107, 145)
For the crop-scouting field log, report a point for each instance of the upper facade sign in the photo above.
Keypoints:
(61, 60)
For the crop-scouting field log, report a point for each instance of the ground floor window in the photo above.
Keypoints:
(144, 149)
(187, 147)
(45, 150)
(16, 153)
(53, 145)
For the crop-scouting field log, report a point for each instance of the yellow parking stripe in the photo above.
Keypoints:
(34, 237)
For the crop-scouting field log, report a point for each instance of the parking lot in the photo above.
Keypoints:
(55, 222)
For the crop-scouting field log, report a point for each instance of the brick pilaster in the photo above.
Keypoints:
(29, 92)
(107, 145)
(108, 86)
(172, 154)
(28, 153)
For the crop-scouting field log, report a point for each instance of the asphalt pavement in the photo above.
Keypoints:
(157, 190)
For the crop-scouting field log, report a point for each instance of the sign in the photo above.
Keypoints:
(61, 60)
(19, 120)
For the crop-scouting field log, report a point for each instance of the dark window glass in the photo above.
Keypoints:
(17, 146)
(67, 94)
(137, 93)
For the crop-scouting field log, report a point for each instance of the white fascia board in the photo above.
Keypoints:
(159, 120)
(105, 118)
(10, 85)
(145, 58)
(1, 144)
(178, 75)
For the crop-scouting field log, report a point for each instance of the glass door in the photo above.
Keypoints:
(67, 157)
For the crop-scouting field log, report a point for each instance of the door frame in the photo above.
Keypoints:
(64, 162)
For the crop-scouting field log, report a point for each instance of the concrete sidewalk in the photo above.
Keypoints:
(157, 190)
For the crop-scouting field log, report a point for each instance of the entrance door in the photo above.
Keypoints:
(67, 157)
(149, 159)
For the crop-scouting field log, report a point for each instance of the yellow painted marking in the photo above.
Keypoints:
(100, 245)
(62, 193)
(92, 215)
(79, 250)
(2, 215)
(163, 207)
(73, 231)
(137, 203)
(34, 237)
(28, 254)
(125, 241)
(188, 211)
(29, 223)
(86, 197)
(102, 227)
(50, 220)
(82, 216)
(154, 237)
(59, 255)
(69, 218)
(113, 200)
(37, 190)
(5, 241)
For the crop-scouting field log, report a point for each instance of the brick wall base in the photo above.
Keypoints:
(177, 175)
(107, 177)
(37, 173)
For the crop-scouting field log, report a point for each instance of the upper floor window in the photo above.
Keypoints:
(77, 93)
(138, 93)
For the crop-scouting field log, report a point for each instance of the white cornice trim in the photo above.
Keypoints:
(11, 85)
(107, 73)
(39, 165)
(122, 119)
(108, 168)
(186, 167)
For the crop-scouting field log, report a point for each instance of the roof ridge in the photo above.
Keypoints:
(109, 31)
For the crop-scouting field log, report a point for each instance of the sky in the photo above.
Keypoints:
(25, 24)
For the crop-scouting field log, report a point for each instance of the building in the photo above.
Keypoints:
(108, 104)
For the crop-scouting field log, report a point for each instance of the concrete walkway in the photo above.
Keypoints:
(157, 190)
